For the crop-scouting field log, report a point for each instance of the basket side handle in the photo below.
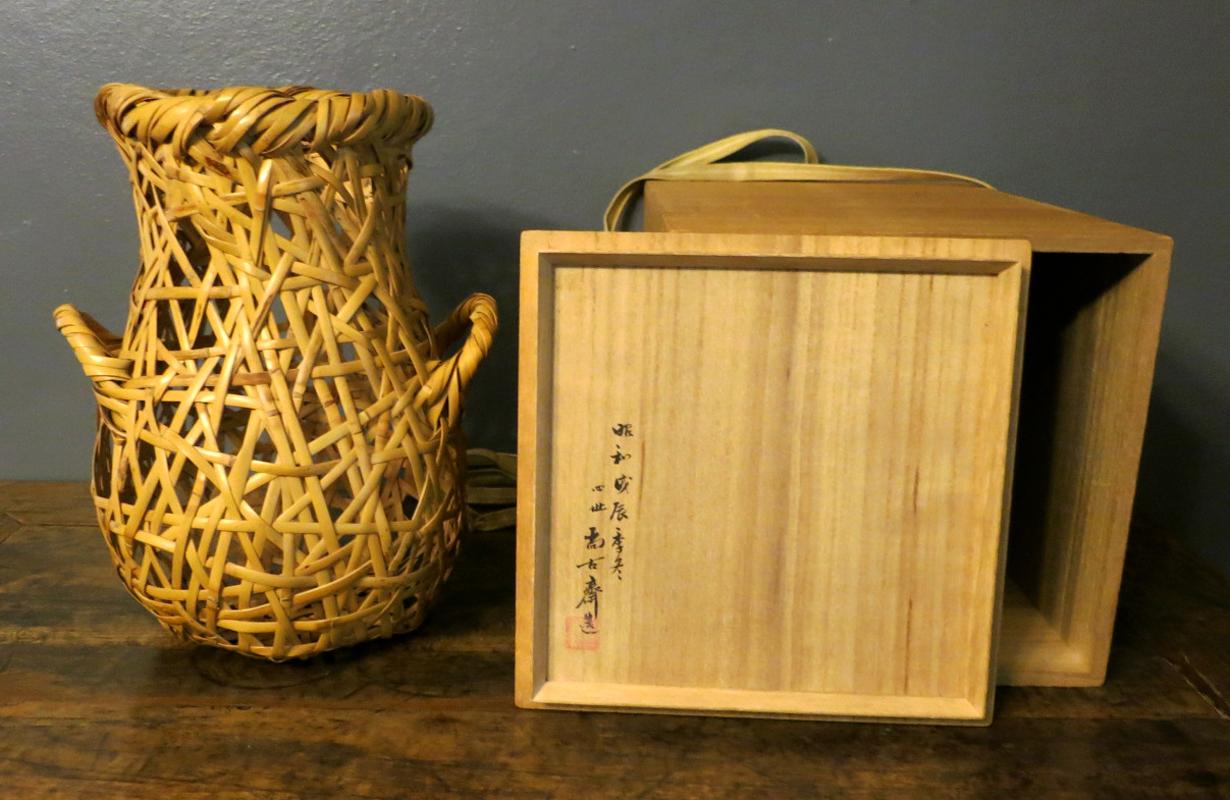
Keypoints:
(445, 386)
(94, 346)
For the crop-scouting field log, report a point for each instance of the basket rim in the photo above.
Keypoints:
(269, 121)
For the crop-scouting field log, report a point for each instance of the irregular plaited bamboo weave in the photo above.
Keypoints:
(278, 469)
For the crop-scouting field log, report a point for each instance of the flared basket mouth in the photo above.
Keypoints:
(261, 120)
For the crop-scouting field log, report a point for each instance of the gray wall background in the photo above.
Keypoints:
(544, 108)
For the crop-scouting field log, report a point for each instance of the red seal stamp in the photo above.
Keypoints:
(581, 632)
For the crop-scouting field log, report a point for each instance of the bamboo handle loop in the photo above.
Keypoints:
(446, 385)
(701, 165)
(94, 346)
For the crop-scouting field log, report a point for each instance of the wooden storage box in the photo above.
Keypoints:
(1094, 315)
(764, 474)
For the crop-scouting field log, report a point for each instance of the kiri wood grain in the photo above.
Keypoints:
(1095, 308)
(816, 482)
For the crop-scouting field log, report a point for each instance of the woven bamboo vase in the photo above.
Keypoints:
(278, 468)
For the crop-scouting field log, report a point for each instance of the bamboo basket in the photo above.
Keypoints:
(278, 468)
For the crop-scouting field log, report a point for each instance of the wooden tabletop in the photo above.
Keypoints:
(98, 701)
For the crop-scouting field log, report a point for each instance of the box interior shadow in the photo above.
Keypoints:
(1076, 302)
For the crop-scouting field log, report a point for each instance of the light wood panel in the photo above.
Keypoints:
(885, 209)
(764, 474)
(1096, 302)
(1030, 645)
(1095, 322)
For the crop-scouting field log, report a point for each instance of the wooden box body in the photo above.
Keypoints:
(765, 474)
(1095, 307)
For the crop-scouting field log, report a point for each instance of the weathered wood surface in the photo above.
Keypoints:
(97, 701)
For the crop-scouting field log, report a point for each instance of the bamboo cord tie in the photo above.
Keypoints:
(705, 164)
(279, 469)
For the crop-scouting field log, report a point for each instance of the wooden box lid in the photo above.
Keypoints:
(764, 474)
